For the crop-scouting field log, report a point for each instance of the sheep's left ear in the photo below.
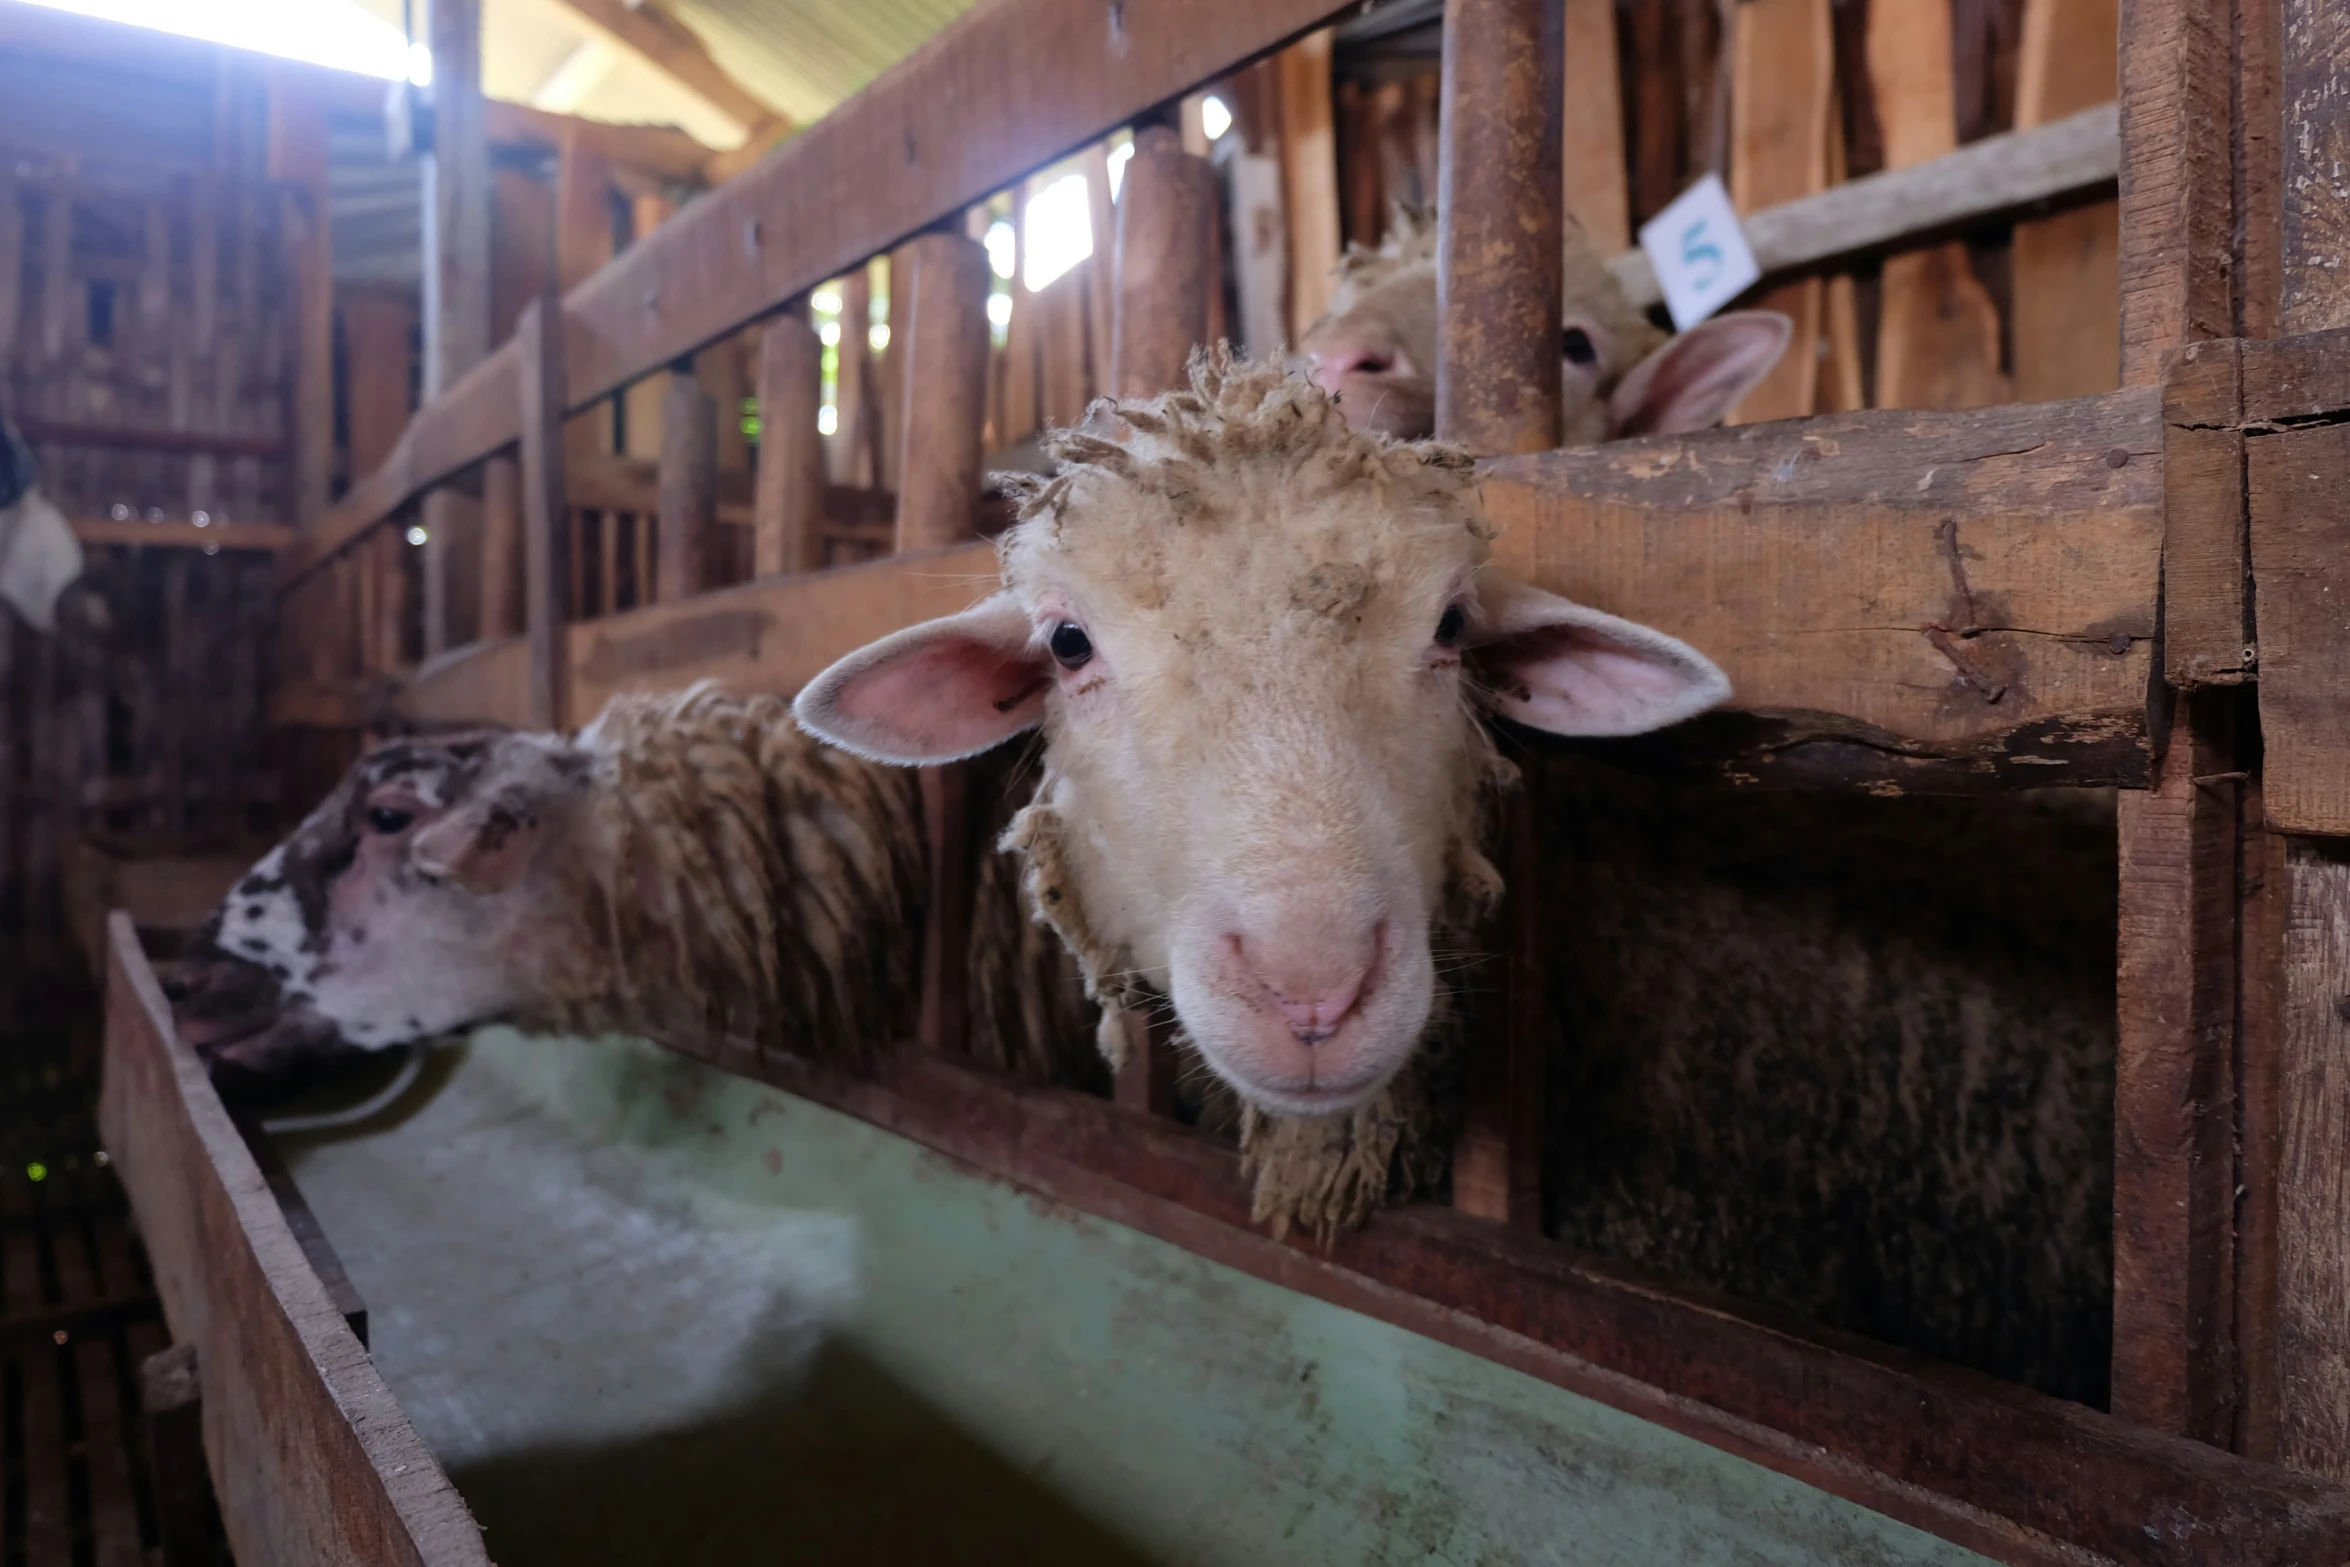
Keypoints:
(1554, 665)
(1694, 381)
(936, 692)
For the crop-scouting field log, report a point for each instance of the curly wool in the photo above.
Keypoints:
(744, 882)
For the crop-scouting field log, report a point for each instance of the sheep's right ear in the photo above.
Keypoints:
(936, 692)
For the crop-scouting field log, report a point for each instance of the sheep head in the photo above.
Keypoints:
(1259, 644)
(410, 903)
(1375, 351)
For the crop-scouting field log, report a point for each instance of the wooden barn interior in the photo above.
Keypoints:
(1900, 1117)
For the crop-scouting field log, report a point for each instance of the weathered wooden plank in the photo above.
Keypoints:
(689, 489)
(546, 518)
(502, 570)
(2002, 1470)
(2174, 1130)
(1162, 265)
(942, 345)
(1937, 330)
(2300, 542)
(789, 507)
(1946, 577)
(1781, 100)
(1309, 173)
(2176, 207)
(134, 533)
(2073, 159)
(2065, 310)
(378, 328)
(1592, 134)
(1498, 277)
(310, 1456)
(945, 1017)
(677, 52)
(2313, 1252)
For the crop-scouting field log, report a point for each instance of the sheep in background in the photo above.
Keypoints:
(1375, 350)
(688, 868)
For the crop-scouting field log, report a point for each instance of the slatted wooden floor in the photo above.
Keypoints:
(77, 1316)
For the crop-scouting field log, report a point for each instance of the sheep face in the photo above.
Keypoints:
(1375, 351)
(403, 907)
(1258, 643)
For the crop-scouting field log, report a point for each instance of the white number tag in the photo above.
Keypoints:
(1699, 252)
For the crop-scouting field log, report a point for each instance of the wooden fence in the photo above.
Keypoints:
(1920, 584)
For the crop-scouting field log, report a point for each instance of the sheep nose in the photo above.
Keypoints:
(1331, 368)
(1313, 991)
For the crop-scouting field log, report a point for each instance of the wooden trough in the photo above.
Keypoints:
(2136, 587)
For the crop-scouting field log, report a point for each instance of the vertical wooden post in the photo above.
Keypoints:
(2066, 321)
(502, 568)
(946, 931)
(583, 244)
(1309, 170)
(456, 274)
(1163, 265)
(689, 485)
(1938, 331)
(546, 517)
(1498, 277)
(852, 436)
(788, 518)
(1592, 137)
(1497, 391)
(1781, 118)
(2181, 1269)
(940, 281)
(378, 325)
(297, 157)
(2311, 996)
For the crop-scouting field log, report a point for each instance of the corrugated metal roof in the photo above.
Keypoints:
(804, 56)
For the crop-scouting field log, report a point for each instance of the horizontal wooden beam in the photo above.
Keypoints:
(1921, 601)
(2014, 1474)
(123, 437)
(138, 533)
(2073, 159)
(653, 149)
(1944, 577)
(646, 30)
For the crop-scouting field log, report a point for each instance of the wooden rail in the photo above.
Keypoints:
(311, 1457)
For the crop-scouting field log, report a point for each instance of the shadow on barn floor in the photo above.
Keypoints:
(844, 1467)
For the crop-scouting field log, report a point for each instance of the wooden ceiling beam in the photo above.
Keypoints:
(674, 49)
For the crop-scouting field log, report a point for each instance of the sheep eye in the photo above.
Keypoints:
(389, 822)
(1576, 344)
(1451, 626)
(1071, 645)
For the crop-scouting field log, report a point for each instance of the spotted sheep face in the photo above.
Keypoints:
(1259, 646)
(1375, 350)
(402, 908)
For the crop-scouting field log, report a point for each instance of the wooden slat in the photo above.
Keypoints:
(672, 48)
(945, 1018)
(689, 489)
(312, 1459)
(1309, 174)
(546, 518)
(501, 548)
(1163, 265)
(130, 437)
(2065, 314)
(1937, 332)
(134, 533)
(942, 344)
(1783, 92)
(1593, 122)
(790, 501)
(2300, 542)
(2011, 559)
(2174, 1168)
(1498, 263)
(1991, 1466)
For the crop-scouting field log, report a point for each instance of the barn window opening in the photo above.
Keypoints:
(340, 34)
(1060, 231)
